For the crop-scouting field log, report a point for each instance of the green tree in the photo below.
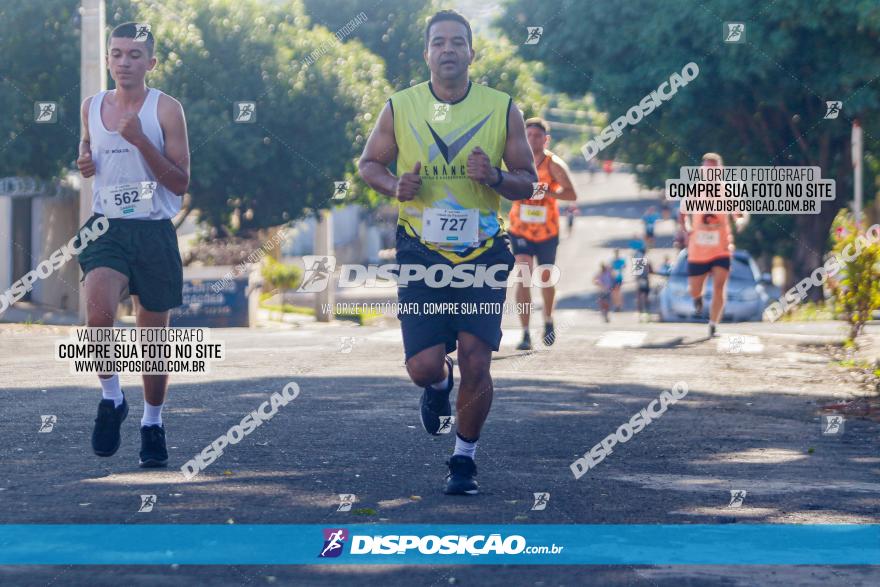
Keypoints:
(312, 114)
(280, 276)
(570, 118)
(759, 102)
(396, 32)
(497, 65)
(39, 42)
(119, 11)
(393, 31)
(857, 289)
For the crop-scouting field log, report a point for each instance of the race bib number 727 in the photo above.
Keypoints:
(444, 226)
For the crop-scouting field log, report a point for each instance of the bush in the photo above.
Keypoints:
(229, 251)
(280, 276)
(856, 287)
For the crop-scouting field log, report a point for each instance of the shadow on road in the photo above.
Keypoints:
(361, 435)
(619, 208)
(660, 242)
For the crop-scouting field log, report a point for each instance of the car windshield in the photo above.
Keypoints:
(740, 270)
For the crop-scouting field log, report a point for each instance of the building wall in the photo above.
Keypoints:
(5, 243)
(55, 222)
(355, 239)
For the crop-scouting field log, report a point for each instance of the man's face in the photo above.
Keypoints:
(537, 138)
(710, 163)
(129, 61)
(448, 54)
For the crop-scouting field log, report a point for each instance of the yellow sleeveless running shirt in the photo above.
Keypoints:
(451, 214)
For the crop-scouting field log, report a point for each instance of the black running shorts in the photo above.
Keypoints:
(477, 309)
(695, 269)
(545, 251)
(146, 252)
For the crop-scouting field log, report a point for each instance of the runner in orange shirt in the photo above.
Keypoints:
(710, 248)
(534, 225)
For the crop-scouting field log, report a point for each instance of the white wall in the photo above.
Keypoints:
(54, 222)
(5, 243)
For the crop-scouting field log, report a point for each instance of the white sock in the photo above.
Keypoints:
(463, 447)
(152, 414)
(110, 389)
(443, 384)
(712, 323)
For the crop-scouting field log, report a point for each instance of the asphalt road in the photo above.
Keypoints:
(750, 421)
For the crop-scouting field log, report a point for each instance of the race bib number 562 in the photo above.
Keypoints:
(130, 200)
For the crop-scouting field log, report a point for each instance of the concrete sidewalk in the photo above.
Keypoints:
(27, 313)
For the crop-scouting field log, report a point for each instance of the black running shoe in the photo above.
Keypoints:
(526, 344)
(105, 435)
(698, 306)
(460, 480)
(435, 404)
(153, 451)
(549, 334)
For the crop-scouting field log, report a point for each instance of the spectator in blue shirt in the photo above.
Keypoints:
(618, 264)
(650, 218)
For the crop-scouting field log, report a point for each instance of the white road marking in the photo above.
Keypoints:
(739, 344)
(797, 357)
(389, 335)
(618, 339)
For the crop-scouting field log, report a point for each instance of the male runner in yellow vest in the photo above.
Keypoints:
(448, 138)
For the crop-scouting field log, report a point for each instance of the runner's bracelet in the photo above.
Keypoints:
(500, 178)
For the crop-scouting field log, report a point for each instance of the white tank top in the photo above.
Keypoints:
(119, 162)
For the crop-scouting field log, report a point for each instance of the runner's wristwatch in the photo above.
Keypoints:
(500, 178)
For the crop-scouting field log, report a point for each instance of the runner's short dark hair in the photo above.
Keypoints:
(539, 122)
(129, 30)
(449, 15)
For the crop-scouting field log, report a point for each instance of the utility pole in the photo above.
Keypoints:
(324, 248)
(92, 79)
(857, 172)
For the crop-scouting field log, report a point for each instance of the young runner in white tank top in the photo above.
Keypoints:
(121, 170)
(141, 172)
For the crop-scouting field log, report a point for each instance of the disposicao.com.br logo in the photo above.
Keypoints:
(450, 544)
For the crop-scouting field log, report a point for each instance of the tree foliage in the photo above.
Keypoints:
(311, 115)
(759, 102)
(316, 93)
(40, 47)
(393, 31)
(857, 289)
(497, 65)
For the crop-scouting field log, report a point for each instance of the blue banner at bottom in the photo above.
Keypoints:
(563, 544)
